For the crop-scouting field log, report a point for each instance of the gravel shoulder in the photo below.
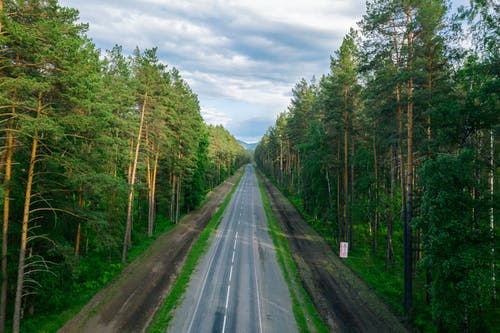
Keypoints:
(345, 302)
(129, 303)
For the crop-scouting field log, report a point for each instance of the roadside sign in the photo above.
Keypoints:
(344, 248)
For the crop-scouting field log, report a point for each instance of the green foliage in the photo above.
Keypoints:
(225, 155)
(340, 153)
(92, 274)
(90, 107)
(197, 184)
(457, 244)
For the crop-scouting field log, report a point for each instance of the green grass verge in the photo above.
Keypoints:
(303, 309)
(164, 314)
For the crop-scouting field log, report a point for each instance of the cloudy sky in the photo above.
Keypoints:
(242, 57)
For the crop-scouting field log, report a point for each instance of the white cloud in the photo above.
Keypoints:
(214, 117)
(324, 15)
(241, 57)
(248, 90)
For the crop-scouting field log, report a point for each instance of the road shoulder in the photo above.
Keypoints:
(343, 299)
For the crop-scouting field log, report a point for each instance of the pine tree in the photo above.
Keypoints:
(455, 244)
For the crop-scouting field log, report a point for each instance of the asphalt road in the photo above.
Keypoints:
(238, 285)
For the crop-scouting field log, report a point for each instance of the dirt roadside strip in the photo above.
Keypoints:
(129, 303)
(345, 302)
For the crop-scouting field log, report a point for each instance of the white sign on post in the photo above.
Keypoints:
(344, 248)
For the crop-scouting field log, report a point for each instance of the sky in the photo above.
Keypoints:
(241, 57)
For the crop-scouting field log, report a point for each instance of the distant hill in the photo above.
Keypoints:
(248, 146)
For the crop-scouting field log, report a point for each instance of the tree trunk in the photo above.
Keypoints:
(298, 172)
(281, 162)
(492, 215)
(218, 173)
(375, 175)
(339, 209)
(389, 248)
(429, 106)
(24, 224)
(172, 198)
(128, 226)
(428, 137)
(151, 215)
(81, 203)
(351, 196)
(409, 186)
(77, 240)
(149, 181)
(402, 177)
(155, 173)
(6, 215)
(346, 170)
(330, 205)
(399, 114)
(177, 200)
(288, 160)
(130, 164)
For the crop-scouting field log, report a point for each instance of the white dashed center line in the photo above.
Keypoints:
(229, 283)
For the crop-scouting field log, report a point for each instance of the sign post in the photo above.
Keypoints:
(344, 248)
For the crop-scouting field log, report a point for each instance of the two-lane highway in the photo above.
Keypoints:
(238, 285)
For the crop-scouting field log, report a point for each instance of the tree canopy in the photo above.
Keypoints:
(397, 145)
(99, 151)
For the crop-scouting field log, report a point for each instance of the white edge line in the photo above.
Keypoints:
(224, 324)
(256, 276)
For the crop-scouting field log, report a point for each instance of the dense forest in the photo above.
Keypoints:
(395, 151)
(99, 150)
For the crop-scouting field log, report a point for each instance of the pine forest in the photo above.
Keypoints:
(99, 152)
(396, 151)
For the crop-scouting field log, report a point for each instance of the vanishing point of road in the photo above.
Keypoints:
(238, 285)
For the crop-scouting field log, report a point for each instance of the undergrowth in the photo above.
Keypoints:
(89, 276)
(369, 264)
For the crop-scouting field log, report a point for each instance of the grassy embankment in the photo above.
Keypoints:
(306, 316)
